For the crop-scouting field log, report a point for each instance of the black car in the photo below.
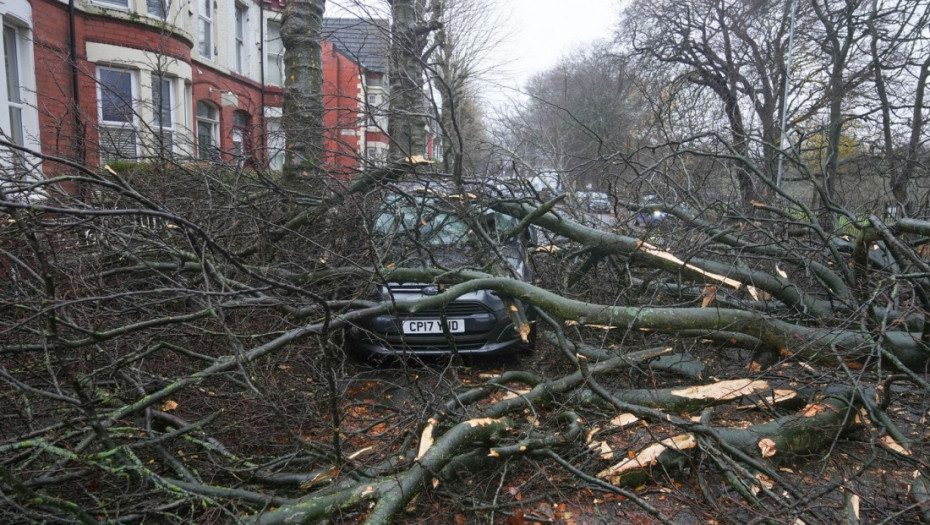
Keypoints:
(440, 230)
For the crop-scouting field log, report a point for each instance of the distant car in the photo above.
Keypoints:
(598, 205)
(649, 218)
(421, 230)
(593, 201)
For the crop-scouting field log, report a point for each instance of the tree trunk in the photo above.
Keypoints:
(407, 125)
(303, 104)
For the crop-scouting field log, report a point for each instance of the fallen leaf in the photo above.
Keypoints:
(765, 481)
(516, 518)
(515, 393)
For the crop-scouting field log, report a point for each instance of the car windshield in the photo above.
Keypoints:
(422, 224)
(409, 226)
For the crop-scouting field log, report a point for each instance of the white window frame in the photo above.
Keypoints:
(371, 107)
(133, 96)
(274, 58)
(163, 6)
(19, 106)
(240, 54)
(374, 108)
(275, 140)
(14, 94)
(131, 124)
(238, 134)
(375, 154)
(213, 123)
(166, 132)
(125, 5)
(205, 33)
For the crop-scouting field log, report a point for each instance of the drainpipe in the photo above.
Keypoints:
(261, 82)
(77, 141)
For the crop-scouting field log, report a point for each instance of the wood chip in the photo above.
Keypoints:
(767, 447)
(723, 390)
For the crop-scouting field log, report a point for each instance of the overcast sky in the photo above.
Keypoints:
(539, 33)
(546, 30)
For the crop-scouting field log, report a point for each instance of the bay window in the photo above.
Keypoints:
(116, 92)
(162, 118)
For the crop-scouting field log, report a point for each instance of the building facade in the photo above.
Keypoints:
(19, 119)
(101, 81)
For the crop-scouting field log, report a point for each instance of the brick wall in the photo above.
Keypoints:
(65, 128)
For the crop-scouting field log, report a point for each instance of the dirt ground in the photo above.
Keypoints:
(384, 400)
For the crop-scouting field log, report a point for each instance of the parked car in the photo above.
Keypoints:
(647, 218)
(594, 201)
(423, 230)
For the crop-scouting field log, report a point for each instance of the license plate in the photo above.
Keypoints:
(433, 326)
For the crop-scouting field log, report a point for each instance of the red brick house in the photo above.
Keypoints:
(199, 79)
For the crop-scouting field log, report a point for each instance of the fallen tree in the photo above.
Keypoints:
(171, 357)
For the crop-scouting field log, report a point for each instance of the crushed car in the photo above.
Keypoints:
(432, 227)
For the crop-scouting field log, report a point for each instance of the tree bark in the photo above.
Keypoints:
(408, 113)
(303, 102)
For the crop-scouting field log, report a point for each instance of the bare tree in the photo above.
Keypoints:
(580, 118)
(735, 51)
(894, 40)
(467, 35)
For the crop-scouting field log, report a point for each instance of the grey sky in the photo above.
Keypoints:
(538, 33)
(545, 30)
